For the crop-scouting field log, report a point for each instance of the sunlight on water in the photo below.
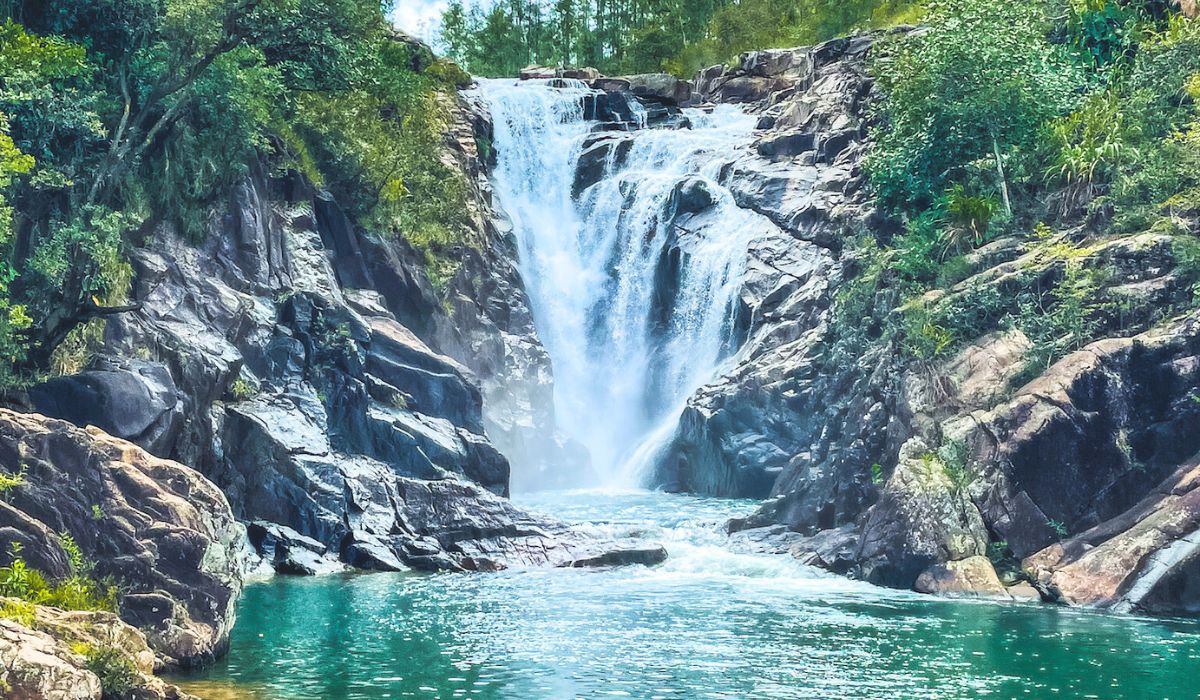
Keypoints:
(710, 623)
(627, 347)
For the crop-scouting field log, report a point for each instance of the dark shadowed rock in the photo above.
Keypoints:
(660, 87)
(601, 154)
(127, 398)
(692, 196)
(287, 551)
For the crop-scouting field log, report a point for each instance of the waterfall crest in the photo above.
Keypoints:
(632, 254)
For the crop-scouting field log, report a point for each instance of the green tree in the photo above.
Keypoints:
(976, 86)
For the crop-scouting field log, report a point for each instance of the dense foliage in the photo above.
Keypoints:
(635, 36)
(1058, 126)
(119, 115)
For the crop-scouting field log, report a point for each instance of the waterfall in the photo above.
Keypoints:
(634, 298)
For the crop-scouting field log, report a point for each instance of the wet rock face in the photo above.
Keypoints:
(765, 426)
(485, 323)
(161, 530)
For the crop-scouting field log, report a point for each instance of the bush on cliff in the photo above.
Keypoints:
(1077, 115)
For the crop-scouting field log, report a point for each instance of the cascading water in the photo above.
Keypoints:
(628, 347)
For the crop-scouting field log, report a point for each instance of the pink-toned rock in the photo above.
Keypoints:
(973, 577)
(1146, 559)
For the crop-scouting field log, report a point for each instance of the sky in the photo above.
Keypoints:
(419, 17)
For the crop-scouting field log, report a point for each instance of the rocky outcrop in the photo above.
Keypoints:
(51, 657)
(163, 532)
(948, 476)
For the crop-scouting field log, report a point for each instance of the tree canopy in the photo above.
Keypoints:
(118, 115)
(633, 36)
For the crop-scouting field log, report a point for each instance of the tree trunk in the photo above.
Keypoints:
(1000, 172)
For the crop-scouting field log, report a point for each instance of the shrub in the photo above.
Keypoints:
(967, 220)
(8, 482)
(924, 338)
(1105, 32)
(79, 591)
(979, 84)
(1061, 321)
(242, 390)
(951, 458)
(1091, 143)
(116, 671)
(20, 611)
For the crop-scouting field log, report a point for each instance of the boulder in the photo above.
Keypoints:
(794, 64)
(127, 398)
(924, 518)
(618, 110)
(744, 89)
(36, 666)
(706, 80)
(692, 196)
(786, 144)
(612, 84)
(973, 577)
(661, 87)
(47, 660)
(536, 72)
(585, 74)
(157, 527)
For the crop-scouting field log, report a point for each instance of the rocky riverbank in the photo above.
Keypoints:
(979, 474)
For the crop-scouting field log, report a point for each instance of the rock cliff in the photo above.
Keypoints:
(320, 389)
(159, 531)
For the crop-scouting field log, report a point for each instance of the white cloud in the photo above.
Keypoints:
(421, 18)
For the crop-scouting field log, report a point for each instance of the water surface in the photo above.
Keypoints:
(710, 623)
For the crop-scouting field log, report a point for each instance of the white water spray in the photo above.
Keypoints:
(625, 358)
